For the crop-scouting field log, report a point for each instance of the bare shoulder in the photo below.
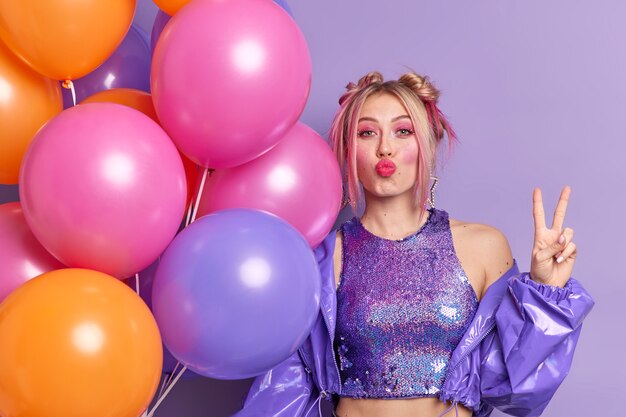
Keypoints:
(485, 247)
(337, 256)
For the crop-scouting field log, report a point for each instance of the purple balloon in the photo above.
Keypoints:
(160, 21)
(128, 67)
(146, 278)
(284, 5)
(236, 293)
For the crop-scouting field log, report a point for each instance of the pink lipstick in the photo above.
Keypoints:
(385, 168)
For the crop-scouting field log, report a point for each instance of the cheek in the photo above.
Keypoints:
(362, 157)
(409, 155)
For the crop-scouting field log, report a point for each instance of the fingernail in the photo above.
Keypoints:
(559, 259)
(562, 239)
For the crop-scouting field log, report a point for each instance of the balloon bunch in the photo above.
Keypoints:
(106, 185)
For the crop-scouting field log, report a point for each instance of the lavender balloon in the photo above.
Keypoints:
(146, 278)
(128, 67)
(160, 21)
(236, 293)
(284, 5)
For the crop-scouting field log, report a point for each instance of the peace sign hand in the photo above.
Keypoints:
(553, 253)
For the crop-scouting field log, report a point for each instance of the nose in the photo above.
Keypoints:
(384, 147)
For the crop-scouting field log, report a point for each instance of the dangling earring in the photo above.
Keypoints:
(345, 200)
(431, 200)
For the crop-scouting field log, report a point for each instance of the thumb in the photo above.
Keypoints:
(552, 249)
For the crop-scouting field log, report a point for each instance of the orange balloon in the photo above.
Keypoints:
(27, 101)
(65, 39)
(77, 343)
(171, 6)
(136, 99)
(142, 101)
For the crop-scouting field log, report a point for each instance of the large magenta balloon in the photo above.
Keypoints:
(162, 18)
(229, 78)
(22, 257)
(298, 180)
(103, 187)
(236, 293)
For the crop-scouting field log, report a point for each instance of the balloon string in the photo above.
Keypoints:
(163, 384)
(166, 383)
(193, 197)
(70, 86)
(199, 194)
(167, 391)
(189, 210)
(137, 283)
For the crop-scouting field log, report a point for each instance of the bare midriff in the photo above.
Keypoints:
(410, 407)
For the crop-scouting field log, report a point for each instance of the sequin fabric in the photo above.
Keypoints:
(402, 307)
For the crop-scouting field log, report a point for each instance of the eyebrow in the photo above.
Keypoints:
(372, 119)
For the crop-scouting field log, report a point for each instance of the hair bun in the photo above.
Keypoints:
(373, 77)
(421, 86)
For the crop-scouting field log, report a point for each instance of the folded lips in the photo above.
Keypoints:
(385, 167)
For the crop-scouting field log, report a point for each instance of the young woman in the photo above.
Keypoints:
(423, 315)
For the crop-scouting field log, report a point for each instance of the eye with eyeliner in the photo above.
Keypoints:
(365, 133)
(404, 132)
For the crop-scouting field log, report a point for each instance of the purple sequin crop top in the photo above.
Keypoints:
(402, 307)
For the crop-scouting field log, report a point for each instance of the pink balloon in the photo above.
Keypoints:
(103, 187)
(298, 180)
(22, 257)
(229, 78)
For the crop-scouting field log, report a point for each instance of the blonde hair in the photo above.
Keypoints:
(419, 97)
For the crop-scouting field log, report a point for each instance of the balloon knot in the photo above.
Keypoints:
(67, 84)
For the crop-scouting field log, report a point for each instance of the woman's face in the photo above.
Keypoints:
(386, 148)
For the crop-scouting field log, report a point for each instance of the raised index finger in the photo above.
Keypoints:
(538, 213)
(561, 208)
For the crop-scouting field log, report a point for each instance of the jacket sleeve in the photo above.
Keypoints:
(286, 390)
(526, 358)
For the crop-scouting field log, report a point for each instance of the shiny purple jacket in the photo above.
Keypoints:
(513, 356)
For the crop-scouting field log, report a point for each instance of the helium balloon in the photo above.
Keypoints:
(142, 101)
(128, 67)
(236, 293)
(22, 257)
(103, 187)
(133, 98)
(225, 88)
(299, 180)
(64, 39)
(77, 343)
(160, 21)
(146, 278)
(162, 18)
(171, 6)
(27, 101)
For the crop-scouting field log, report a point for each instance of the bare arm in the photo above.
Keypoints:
(496, 255)
(484, 253)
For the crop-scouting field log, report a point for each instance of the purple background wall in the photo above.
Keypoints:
(536, 93)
